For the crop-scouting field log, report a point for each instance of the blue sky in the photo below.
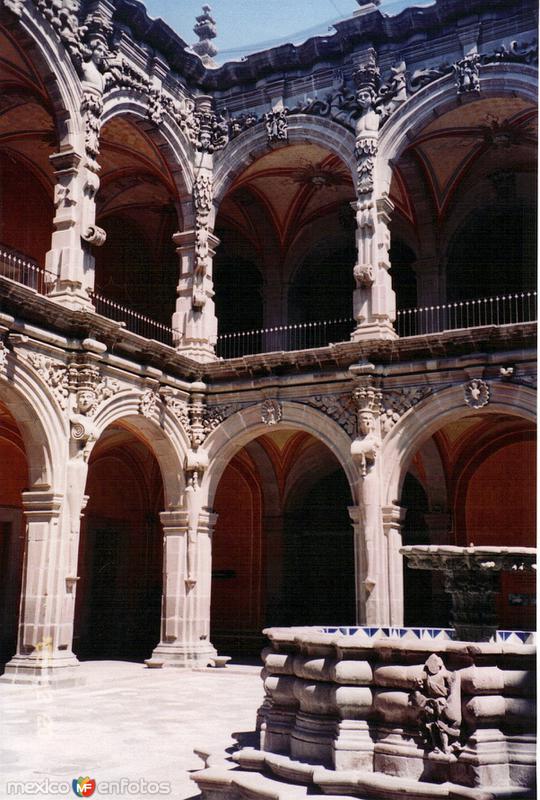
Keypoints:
(246, 26)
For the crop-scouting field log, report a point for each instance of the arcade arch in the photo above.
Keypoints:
(118, 609)
(29, 135)
(463, 186)
(288, 216)
(14, 480)
(283, 536)
(482, 491)
(138, 205)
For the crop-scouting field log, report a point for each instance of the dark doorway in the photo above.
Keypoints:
(426, 604)
(121, 618)
(318, 585)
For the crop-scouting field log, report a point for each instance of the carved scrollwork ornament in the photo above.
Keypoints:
(271, 412)
(94, 235)
(54, 374)
(15, 6)
(476, 393)
(82, 429)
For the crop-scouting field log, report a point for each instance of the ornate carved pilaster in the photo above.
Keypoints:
(194, 321)
(374, 299)
(67, 261)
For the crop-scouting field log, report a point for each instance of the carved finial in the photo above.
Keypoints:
(205, 28)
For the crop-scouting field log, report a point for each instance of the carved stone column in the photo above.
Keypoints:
(185, 617)
(393, 517)
(374, 304)
(44, 655)
(194, 321)
(370, 541)
(69, 261)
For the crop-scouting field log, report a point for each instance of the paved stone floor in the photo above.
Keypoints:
(128, 723)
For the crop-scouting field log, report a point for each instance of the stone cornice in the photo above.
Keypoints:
(372, 29)
(30, 312)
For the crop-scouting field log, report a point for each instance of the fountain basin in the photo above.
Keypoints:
(354, 699)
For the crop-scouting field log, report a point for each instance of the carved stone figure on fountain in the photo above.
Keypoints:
(438, 698)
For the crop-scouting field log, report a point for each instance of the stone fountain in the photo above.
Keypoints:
(385, 713)
(472, 579)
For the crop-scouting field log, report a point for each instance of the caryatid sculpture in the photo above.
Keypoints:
(365, 454)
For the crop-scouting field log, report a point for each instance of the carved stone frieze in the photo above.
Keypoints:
(367, 396)
(179, 408)
(54, 374)
(3, 357)
(89, 387)
(91, 110)
(511, 374)
(275, 122)
(215, 415)
(476, 393)
(271, 412)
(467, 74)
(339, 407)
(149, 403)
(397, 401)
(15, 6)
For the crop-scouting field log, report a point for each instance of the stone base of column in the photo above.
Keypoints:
(71, 296)
(201, 352)
(185, 655)
(56, 671)
(378, 329)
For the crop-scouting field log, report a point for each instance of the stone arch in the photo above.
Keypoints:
(168, 139)
(43, 47)
(239, 429)
(253, 143)
(41, 424)
(166, 439)
(439, 97)
(431, 414)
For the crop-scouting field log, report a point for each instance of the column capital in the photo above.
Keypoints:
(392, 515)
(47, 503)
(174, 522)
(65, 161)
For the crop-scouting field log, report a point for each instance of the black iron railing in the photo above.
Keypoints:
(498, 310)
